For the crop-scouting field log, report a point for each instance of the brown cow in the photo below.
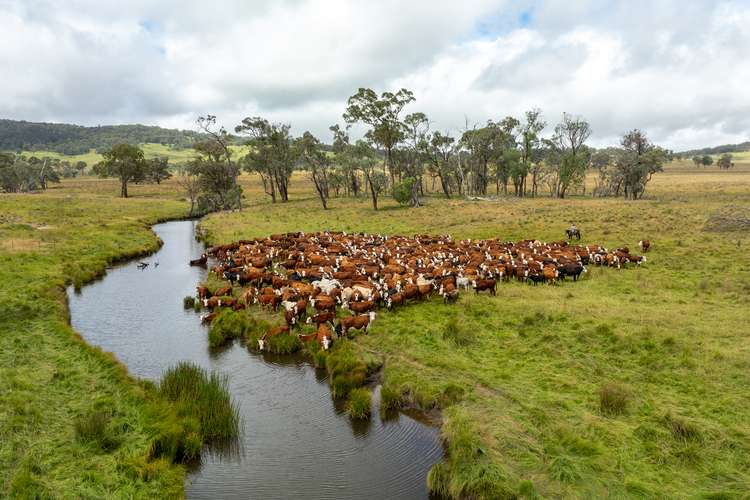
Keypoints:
(644, 245)
(324, 336)
(550, 274)
(361, 307)
(481, 285)
(323, 303)
(271, 300)
(357, 322)
(397, 299)
(321, 317)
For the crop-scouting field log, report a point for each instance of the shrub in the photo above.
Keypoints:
(197, 306)
(613, 399)
(359, 404)
(95, 428)
(188, 302)
(402, 190)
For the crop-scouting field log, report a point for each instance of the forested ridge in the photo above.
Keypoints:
(76, 139)
(717, 150)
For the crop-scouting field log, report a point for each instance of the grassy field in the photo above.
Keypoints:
(50, 380)
(523, 371)
(518, 376)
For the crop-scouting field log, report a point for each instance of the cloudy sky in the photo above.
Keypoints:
(678, 69)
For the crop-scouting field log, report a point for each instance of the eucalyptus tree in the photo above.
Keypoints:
(364, 157)
(272, 154)
(314, 160)
(626, 170)
(725, 161)
(440, 150)
(382, 115)
(157, 169)
(348, 172)
(530, 142)
(568, 155)
(639, 161)
(479, 144)
(217, 174)
(416, 127)
(124, 161)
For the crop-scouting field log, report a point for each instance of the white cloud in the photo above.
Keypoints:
(672, 68)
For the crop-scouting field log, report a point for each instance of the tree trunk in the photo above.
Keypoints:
(123, 188)
(446, 191)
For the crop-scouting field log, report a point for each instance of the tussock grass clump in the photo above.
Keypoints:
(467, 471)
(258, 327)
(229, 325)
(188, 302)
(613, 399)
(681, 428)
(455, 332)
(177, 439)
(564, 469)
(390, 398)
(284, 344)
(205, 397)
(96, 428)
(346, 369)
(360, 403)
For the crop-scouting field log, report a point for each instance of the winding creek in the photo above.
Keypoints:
(296, 441)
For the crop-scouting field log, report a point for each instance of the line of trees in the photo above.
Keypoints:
(724, 162)
(399, 154)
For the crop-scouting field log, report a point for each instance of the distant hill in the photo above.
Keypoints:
(75, 139)
(717, 150)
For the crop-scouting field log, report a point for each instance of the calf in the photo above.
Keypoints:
(644, 245)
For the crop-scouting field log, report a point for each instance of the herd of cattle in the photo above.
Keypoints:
(310, 276)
